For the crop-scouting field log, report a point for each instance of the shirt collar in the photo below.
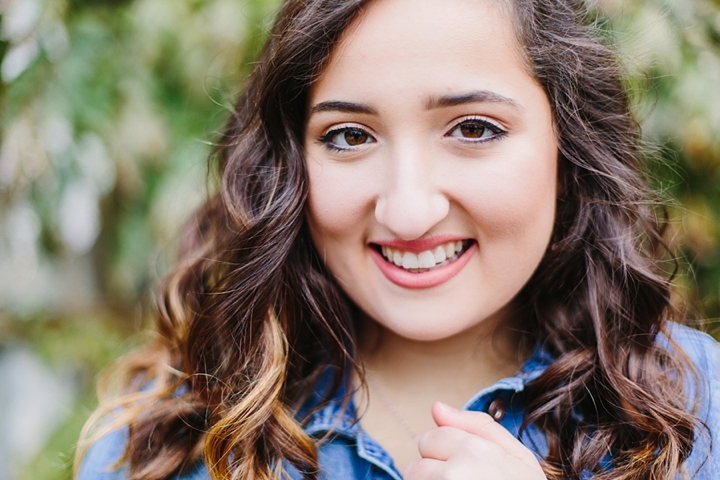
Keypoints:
(340, 419)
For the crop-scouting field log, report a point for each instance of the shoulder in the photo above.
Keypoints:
(701, 349)
(100, 461)
(703, 352)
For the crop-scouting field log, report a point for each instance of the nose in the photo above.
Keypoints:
(412, 201)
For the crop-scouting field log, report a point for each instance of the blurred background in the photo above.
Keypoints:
(108, 111)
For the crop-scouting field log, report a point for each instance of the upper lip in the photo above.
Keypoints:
(421, 244)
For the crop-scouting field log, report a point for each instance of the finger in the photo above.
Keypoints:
(458, 454)
(424, 469)
(443, 442)
(482, 425)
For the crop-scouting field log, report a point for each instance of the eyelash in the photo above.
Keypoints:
(496, 130)
(497, 133)
(326, 138)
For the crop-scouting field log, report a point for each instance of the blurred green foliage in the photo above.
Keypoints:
(675, 46)
(108, 112)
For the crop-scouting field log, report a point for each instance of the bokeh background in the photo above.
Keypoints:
(108, 112)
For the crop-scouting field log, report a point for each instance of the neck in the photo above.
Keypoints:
(405, 377)
(450, 369)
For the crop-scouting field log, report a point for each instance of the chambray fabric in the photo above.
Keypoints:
(350, 453)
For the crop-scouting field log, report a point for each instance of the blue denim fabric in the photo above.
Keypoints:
(349, 453)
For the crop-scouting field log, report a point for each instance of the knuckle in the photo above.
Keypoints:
(455, 472)
(417, 470)
(425, 441)
(475, 447)
(434, 437)
(410, 471)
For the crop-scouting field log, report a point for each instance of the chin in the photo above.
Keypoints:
(425, 330)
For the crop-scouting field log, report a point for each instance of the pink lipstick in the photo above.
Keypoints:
(412, 264)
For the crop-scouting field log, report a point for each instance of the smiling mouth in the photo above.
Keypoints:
(427, 260)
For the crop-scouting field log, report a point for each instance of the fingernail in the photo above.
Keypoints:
(448, 408)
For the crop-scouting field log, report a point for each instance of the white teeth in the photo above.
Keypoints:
(423, 260)
(426, 259)
(409, 260)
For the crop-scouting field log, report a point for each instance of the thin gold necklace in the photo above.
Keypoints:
(399, 417)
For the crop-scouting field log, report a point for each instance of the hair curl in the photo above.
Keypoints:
(250, 318)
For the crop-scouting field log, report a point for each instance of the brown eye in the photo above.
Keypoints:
(346, 138)
(355, 137)
(472, 130)
(476, 130)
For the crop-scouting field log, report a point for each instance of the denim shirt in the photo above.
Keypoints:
(351, 453)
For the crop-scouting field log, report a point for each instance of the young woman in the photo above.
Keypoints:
(431, 253)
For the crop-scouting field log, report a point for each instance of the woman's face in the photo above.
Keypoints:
(432, 163)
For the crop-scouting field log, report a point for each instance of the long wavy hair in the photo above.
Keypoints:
(250, 319)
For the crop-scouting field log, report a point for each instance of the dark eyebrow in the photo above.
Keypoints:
(470, 97)
(345, 107)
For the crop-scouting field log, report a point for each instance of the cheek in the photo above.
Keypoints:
(337, 202)
(517, 208)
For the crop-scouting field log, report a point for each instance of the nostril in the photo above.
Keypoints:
(411, 216)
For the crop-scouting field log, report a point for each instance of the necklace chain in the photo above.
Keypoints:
(399, 417)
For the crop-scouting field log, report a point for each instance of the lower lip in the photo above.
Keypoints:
(429, 279)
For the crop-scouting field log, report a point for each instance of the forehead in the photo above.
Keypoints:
(442, 45)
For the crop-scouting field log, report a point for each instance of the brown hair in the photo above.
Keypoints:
(250, 319)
